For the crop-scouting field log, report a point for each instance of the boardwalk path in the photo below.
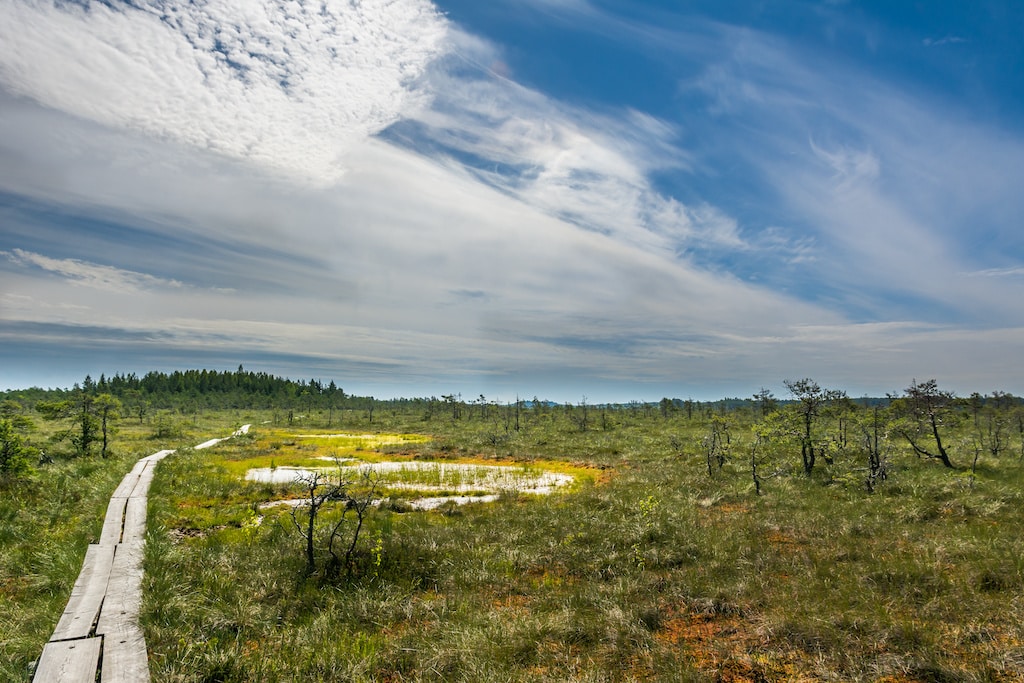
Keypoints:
(99, 630)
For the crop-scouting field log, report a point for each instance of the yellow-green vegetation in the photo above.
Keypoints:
(396, 463)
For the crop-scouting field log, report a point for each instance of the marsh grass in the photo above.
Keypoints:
(648, 569)
(49, 517)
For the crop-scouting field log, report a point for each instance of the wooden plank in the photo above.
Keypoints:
(83, 608)
(127, 485)
(113, 522)
(124, 647)
(69, 661)
(134, 520)
(142, 488)
(124, 657)
(120, 611)
(207, 444)
(158, 456)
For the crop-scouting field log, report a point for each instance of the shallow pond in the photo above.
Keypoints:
(484, 482)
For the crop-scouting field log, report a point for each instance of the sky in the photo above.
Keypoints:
(570, 199)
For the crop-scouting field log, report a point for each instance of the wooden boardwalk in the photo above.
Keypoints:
(98, 636)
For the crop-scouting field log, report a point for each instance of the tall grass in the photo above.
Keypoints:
(49, 517)
(651, 571)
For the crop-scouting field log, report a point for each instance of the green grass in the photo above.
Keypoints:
(648, 569)
(49, 517)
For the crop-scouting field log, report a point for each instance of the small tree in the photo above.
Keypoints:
(455, 403)
(763, 447)
(346, 496)
(80, 411)
(580, 417)
(108, 409)
(811, 399)
(874, 434)
(992, 429)
(765, 400)
(924, 409)
(716, 443)
(14, 454)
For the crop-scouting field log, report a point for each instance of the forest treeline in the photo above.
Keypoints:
(187, 390)
(192, 388)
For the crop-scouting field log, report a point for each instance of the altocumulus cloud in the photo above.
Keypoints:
(286, 84)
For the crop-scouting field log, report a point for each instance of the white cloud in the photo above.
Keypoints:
(944, 40)
(287, 85)
(1011, 272)
(346, 292)
(588, 168)
(852, 167)
(90, 274)
(175, 121)
(899, 192)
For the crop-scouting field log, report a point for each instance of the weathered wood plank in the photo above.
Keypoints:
(124, 647)
(207, 444)
(120, 611)
(158, 456)
(69, 661)
(107, 596)
(145, 479)
(127, 485)
(83, 608)
(124, 657)
(134, 520)
(114, 521)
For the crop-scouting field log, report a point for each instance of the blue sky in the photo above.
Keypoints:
(561, 198)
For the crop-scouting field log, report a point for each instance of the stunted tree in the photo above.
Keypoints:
(108, 409)
(873, 430)
(339, 538)
(455, 403)
(717, 443)
(580, 417)
(80, 412)
(992, 428)
(14, 454)
(769, 435)
(924, 409)
(765, 400)
(811, 400)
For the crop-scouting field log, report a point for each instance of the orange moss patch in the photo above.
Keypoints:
(730, 648)
(511, 602)
(13, 585)
(700, 629)
(781, 539)
(718, 510)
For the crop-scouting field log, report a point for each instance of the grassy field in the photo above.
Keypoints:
(646, 569)
(48, 517)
